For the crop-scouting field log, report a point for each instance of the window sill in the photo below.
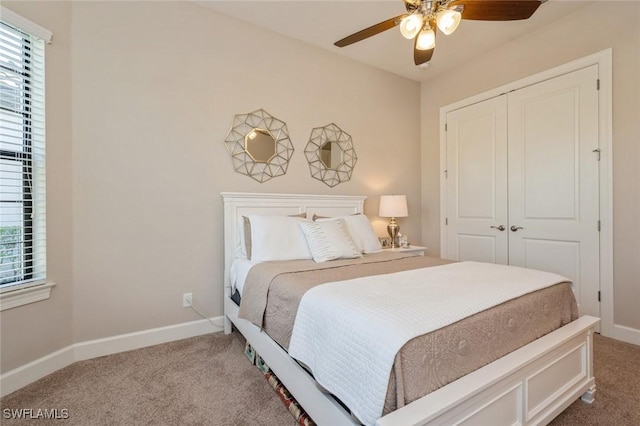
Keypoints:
(24, 296)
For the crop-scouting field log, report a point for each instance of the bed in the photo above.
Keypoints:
(529, 385)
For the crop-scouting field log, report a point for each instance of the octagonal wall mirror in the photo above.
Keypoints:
(259, 145)
(330, 155)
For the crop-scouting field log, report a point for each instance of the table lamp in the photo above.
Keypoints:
(393, 206)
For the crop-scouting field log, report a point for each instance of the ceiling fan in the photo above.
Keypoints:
(424, 16)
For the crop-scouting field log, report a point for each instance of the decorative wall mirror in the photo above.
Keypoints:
(330, 155)
(259, 145)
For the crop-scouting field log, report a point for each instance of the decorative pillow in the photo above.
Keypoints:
(277, 238)
(361, 231)
(329, 240)
(244, 236)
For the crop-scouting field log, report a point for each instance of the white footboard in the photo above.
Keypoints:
(530, 386)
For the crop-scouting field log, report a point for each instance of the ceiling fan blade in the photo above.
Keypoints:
(371, 31)
(497, 10)
(421, 56)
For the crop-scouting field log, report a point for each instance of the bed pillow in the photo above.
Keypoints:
(277, 238)
(361, 231)
(329, 240)
(241, 245)
(243, 249)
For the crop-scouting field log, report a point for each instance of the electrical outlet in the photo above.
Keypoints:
(187, 300)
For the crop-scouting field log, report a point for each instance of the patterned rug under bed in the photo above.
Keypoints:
(301, 417)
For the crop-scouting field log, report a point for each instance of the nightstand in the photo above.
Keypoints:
(418, 250)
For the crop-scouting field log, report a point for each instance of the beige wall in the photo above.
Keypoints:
(585, 32)
(35, 330)
(135, 177)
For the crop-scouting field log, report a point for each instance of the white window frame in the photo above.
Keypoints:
(20, 294)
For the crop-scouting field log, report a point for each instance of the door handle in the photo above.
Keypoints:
(515, 228)
(499, 228)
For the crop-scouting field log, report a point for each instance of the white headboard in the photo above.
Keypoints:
(238, 204)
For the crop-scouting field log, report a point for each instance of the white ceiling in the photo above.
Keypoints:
(322, 22)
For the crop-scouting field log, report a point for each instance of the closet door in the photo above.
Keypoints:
(553, 181)
(476, 183)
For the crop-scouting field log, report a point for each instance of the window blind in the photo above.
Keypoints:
(22, 159)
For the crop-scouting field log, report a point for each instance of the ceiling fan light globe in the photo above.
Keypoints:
(426, 40)
(410, 26)
(448, 20)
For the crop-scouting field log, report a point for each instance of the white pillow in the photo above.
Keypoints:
(329, 240)
(243, 247)
(277, 238)
(361, 231)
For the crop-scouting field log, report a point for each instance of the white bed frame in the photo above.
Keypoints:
(529, 386)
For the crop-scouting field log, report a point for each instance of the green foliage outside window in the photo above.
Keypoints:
(10, 248)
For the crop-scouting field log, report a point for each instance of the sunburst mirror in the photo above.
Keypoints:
(330, 155)
(259, 145)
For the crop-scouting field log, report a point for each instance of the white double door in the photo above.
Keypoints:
(522, 181)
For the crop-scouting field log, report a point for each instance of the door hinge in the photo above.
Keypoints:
(599, 226)
(598, 84)
(597, 151)
(446, 127)
(446, 220)
(446, 174)
(598, 296)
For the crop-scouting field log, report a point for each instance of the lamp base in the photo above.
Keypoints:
(393, 228)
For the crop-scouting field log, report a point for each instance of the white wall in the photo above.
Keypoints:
(587, 31)
(143, 110)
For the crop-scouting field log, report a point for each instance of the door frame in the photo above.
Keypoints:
(604, 60)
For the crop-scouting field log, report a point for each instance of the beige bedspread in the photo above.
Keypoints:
(273, 291)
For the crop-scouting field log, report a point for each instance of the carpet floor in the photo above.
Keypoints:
(207, 380)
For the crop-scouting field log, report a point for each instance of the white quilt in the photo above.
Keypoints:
(349, 332)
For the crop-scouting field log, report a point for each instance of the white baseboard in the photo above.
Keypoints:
(144, 338)
(626, 334)
(19, 377)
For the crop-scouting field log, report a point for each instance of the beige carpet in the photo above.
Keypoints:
(617, 369)
(207, 381)
(204, 380)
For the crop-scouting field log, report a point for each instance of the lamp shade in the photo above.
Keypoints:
(410, 26)
(393, 206)
(448, 20)
(426, 39)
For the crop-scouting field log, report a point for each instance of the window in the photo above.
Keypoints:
(22, 157)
